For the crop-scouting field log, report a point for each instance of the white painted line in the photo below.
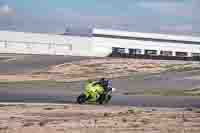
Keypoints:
(33, 104)
(8, 60)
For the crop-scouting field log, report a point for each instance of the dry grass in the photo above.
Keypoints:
(84, 119)
(97, 68)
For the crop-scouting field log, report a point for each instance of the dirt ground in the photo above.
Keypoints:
(71, 118)
(99, 119)
(96, 68)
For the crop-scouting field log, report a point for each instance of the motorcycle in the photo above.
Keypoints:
(100, 97)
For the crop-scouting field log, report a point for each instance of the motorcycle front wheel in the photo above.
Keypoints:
(107, 100)
(104, 99)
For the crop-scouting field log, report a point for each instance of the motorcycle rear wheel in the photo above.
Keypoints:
(81, 99)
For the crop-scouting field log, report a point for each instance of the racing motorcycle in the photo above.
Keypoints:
(95, 96)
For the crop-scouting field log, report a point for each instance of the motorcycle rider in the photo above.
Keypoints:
(96, 91)
(105, 83)
(107, 86)
(93, 90)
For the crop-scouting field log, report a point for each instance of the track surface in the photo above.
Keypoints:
(68, 93)
(141, 101)
(30, 63)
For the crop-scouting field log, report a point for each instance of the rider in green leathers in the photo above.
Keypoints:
(93, 90)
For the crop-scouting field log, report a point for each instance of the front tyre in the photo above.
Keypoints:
(108, 98)
(102, 98)
(81, 99)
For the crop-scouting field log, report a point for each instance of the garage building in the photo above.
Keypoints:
(135, 43)
(102, 43)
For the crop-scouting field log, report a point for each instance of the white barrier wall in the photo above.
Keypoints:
(33, 48)
(31, 43)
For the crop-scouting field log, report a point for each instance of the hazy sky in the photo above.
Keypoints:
(162, 16)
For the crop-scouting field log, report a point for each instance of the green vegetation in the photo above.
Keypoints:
(180, 67)
(134, 111)
(164, 92)
(167, 68)
(197, 110)
(171, 93)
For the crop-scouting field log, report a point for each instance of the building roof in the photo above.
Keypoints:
(151, 36)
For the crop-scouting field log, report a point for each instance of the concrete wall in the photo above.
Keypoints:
(31, 43)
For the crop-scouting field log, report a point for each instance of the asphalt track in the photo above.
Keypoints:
(12, 63)
(140, 101)
(23, 63)
(68, 94)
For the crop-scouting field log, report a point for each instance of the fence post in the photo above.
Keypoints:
(173, 53)
(5, 44)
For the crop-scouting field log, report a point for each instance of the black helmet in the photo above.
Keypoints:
(102, 79)
(89, 81)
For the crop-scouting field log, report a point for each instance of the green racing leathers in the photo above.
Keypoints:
(93, 92)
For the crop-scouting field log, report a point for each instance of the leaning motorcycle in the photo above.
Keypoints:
(95, 96)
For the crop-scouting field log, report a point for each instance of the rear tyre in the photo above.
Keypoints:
(81, 99)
